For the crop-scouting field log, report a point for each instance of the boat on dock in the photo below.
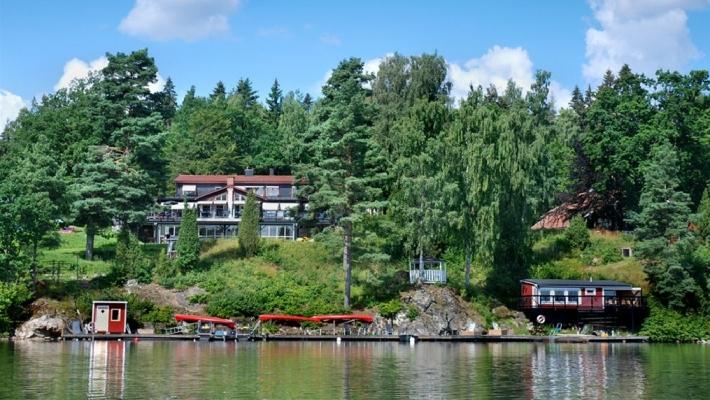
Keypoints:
(205, 327)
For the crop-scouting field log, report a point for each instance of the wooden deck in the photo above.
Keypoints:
(380, 338)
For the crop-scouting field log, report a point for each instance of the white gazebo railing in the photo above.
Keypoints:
(431, 270)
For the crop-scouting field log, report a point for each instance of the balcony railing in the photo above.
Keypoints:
(427, 275)
(581, 302)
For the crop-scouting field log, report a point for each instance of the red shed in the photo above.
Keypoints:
(109, 316)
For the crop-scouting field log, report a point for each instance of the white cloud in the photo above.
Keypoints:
(647, 35)
(188, 20)
(10, 106)
(373, 65)
(157, 85)
(331, 39)
(496, 67)
(78, 69)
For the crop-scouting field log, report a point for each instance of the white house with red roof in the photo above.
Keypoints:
(219, 201)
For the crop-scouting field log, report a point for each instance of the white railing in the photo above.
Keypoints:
(427, 276)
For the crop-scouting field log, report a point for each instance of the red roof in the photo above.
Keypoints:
(238, 179)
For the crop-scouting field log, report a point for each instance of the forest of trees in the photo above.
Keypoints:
(400, 167)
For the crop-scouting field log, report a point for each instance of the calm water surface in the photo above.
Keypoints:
(309, 370)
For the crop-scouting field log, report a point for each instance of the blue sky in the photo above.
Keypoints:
(44, 44)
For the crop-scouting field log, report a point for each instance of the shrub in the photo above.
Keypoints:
(412, 313)
(188, 243)
(665, 325)
(577, 234)
(555, 271)
(601, 252)
(391, 308)
(248, 235)
(12, 298)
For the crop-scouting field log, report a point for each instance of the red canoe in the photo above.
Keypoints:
(201, 318)
(285, 318)
(368, 319)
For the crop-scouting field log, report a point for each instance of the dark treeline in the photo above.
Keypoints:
(400, 167)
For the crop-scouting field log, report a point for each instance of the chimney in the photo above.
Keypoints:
(249, 172)
(271, 171)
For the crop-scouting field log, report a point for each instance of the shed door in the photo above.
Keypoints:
(101, 322)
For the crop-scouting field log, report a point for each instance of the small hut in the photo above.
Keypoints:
(109, 316)
(427, 270)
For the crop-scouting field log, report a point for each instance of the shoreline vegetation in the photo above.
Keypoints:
(401, 170)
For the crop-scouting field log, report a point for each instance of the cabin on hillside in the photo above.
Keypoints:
(567, 301)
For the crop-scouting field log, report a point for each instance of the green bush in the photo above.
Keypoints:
(391, 308)
(249, 236)
(577, 234)
(555, 271)
(665, 325)
(412, 313)
(601, 252)
(12, 298)
(188, 243)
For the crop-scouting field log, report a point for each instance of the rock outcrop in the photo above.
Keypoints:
(179, 300)
(432, 310)
(45, 327)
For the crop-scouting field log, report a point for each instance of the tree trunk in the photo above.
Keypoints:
(467, 279)
(347, 261)
(90, 232)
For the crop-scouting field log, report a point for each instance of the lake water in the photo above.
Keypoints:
(326, 370)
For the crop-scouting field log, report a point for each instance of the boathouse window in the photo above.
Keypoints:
(572, 297)
(115, 314)
(559, 296)
(545, 296)
(590, 292)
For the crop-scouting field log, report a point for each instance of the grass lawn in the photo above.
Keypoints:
(70, 252)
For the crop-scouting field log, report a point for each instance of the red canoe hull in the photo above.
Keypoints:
(201, 318)
(368, 319)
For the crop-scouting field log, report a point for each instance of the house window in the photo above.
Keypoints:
(590, 292)
(545, 296)
(221, 197)
(115, 314)
(277, 231)
(559, 296)
(572, 296)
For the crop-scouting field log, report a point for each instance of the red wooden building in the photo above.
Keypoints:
(581, 301)
(109, 316)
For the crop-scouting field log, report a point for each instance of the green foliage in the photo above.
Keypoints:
(601, 252)
(664, 240)
(555, 271)
(130, 261)
(248, 236)
(345, 172)
(412, 313)
(702, 219)
(666, 325)
(577, 234)
(391, 308)
(13, 297)
(188, 243)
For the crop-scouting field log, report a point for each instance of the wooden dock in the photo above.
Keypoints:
(375, 338)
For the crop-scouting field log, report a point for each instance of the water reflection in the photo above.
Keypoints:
(325, 370)
(106, 369)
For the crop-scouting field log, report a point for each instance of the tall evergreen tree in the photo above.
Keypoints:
(307, 102)
(219, 92)
(274, 101)
(703, 217)
(344, 177)
(166, 101)
(245, 93)
(661, 231)
(188, 243)
(249, 235)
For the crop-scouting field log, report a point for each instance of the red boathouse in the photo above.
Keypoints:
(575, 302)
(109, 316)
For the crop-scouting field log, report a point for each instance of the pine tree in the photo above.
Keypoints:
(245, 93)
(307, 102)
(249, 235)
(275, 101)
(345, 175)
(661, 231)
(188, 243)
(219, 92)
(166, 101)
